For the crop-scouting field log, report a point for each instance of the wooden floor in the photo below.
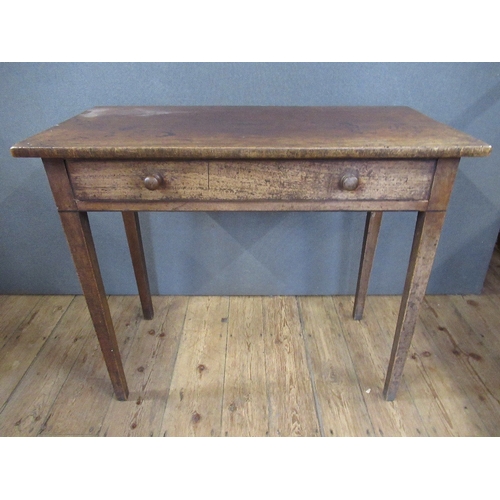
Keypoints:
(251, 366)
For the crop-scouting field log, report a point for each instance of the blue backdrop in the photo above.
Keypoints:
(254, 253)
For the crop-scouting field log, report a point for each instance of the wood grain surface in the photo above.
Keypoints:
(389, 180)
(250, 132)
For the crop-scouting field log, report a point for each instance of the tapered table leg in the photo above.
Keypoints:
(77, 228)
(427, 232)
(133, 231)
(372, 229)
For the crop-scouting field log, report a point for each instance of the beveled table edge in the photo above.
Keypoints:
(20, 150)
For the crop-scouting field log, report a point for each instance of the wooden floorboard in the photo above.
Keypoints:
(292, 411)
(369, 342)
(251, 366)
(245, 410)
(149, 367)
(339, 396)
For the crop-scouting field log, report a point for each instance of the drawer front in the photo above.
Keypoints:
(244, 180)
(138, 180)
(321, 180)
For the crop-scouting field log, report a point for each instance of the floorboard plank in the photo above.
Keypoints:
(369, 347)
(26, 341)
(13, 310)
(443, 405)
(29, 405)
(292, 409)
(149, 369)
(83, 401)
(245, 408)
(342, 410)
(483, 317)
(467, 358)
(194, 406)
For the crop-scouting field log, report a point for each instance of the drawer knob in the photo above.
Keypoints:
(349, 182)
(153, 182)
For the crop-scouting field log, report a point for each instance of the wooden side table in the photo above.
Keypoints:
(131, 159)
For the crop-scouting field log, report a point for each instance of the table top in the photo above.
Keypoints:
(224, 132)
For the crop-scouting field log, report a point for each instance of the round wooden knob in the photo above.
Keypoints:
(153, 182)
(349, 182)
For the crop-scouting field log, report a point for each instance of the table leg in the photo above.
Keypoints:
(372, 228)
(427, 232)
(133, 231)
(77, 228)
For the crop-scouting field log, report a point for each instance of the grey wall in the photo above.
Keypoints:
(237, 253)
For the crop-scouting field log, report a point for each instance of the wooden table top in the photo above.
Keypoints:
(148, 132)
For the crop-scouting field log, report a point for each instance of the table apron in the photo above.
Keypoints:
(251, 206)
(251, 185)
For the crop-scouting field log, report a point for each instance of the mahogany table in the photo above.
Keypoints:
(370, 159)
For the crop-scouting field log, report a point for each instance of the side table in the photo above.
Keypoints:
(224, 158)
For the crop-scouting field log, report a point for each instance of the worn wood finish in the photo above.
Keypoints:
(320, 180)
(427, 232)
(372, 229)
(125, 180)
(216, 132)
(77, 229)
(371, 159)
(133, 232)
(389, 180)
(59, 183)
(442, 185)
